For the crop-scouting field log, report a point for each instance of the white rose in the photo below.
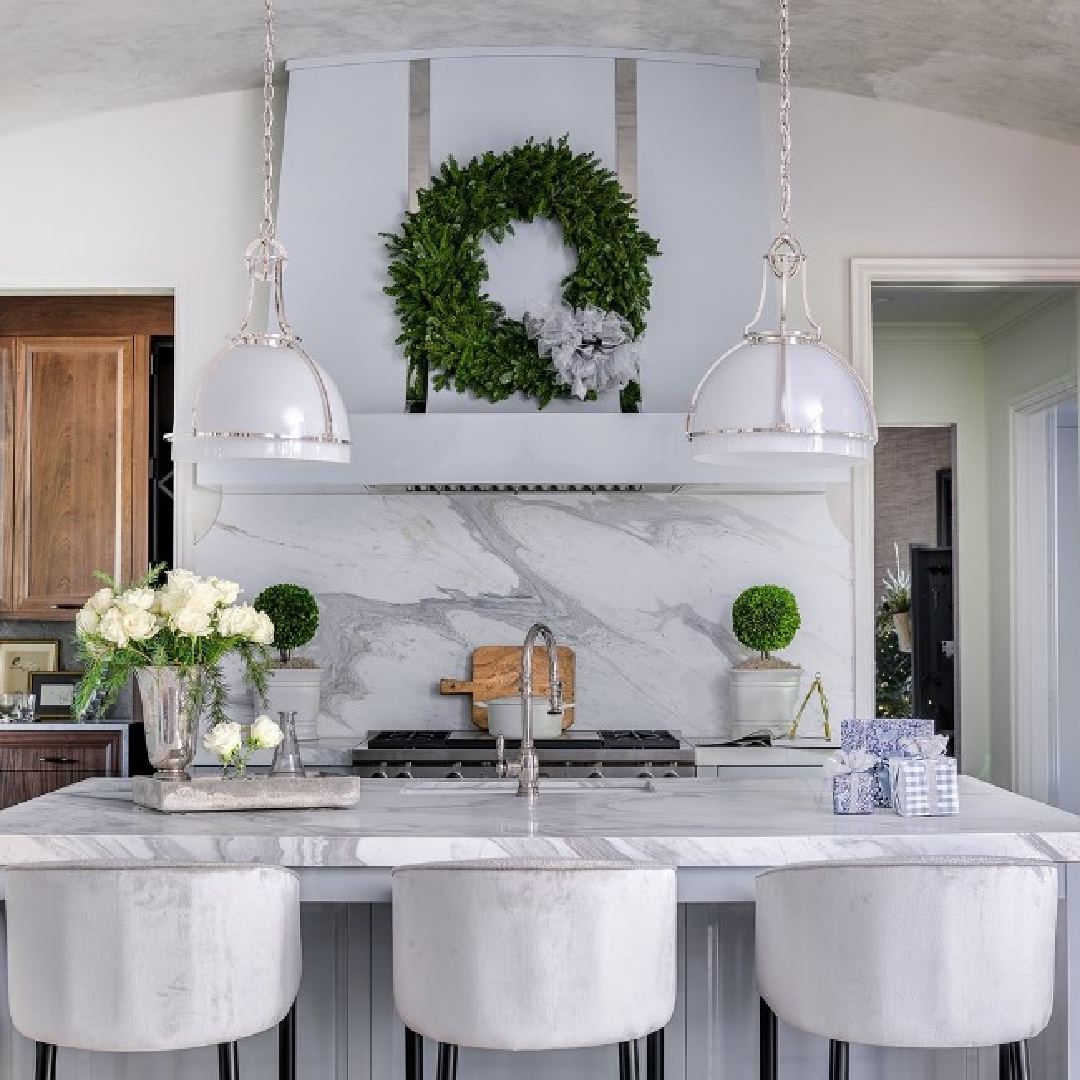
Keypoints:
(191, 621)
(263, 634)
(101, 601)
(139, 625)
(111, 627)
(228, 591)
(204, 596)
(136, 600)
(233, 620)
(223, 739)
(265, 733)
(180, 580)
(87, 621)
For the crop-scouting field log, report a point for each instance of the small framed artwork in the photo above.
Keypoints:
(53, 691)
(20, 659)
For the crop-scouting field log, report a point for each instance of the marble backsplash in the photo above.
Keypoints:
(639, 585)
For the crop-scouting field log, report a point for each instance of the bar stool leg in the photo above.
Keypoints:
(654, 1055)
(838, 1060)
(767, 1041)
(287, 1045)
(628, 1060)
(1023, 1065)
(447, 1063)
(414, 1055)
(228, 1061)
(44, 1061)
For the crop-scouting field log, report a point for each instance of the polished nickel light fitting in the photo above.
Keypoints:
(262, 396)
(782, 395)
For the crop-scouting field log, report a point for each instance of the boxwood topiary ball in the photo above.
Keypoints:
(765, 618)
(293, 610)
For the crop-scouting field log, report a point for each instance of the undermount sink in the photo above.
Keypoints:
(548, 786)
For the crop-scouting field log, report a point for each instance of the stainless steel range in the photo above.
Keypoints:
(574, 754)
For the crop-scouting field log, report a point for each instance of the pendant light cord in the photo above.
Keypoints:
(267, 231)
(785, 122)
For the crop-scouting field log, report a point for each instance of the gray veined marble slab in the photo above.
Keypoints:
(698, 823)
(216, 794)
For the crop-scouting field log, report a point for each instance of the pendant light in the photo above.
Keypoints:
(263, 396)
(782, 395)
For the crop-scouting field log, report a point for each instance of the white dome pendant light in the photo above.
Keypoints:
(262, 396)
(782, 395)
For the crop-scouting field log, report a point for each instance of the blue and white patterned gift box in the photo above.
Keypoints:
(853, 793)
(924, 784)
(883, 737)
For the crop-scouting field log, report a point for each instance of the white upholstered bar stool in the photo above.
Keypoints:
(933, 953)
(534, 955)
(127, 957)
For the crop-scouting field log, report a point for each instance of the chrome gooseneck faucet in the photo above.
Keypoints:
(527, 768)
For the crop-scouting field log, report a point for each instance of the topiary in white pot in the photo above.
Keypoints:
(294, 684)
(764, 688)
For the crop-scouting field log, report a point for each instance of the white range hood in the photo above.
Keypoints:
(348, 146)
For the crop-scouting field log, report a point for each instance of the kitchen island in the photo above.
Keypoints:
(719, 833)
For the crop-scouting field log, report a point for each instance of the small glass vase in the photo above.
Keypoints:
(172, 699)
(287, 753)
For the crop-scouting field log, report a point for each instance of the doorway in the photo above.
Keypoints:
(981, 393)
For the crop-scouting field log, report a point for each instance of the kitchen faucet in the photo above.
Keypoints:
(527, 768)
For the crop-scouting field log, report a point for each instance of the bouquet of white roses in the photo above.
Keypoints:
(186, 621)
(234, 746)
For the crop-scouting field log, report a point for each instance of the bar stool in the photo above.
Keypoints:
(534, 955)
(128, 957)
(932, 953)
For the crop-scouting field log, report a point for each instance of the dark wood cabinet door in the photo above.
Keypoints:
(33, 763)
(7, 466)
(76, 500)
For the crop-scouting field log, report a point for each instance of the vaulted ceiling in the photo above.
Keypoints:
(1011, 62)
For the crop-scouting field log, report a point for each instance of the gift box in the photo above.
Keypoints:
(852, 779)
(924, 783)
(853, 793)
(884, 738)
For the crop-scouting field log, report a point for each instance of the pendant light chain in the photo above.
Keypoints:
(267, 232)
(785, 122)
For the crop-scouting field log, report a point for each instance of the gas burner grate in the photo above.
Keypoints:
(633, 739)
(407, 740)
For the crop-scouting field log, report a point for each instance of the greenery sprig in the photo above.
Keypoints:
(451, 327)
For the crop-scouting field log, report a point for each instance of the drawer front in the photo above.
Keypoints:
(88, 760)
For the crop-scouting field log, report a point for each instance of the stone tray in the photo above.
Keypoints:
(249, 793)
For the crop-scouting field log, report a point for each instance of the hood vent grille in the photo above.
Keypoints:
(520, 489)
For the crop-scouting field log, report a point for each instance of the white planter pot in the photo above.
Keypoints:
(764, 698)
(294, 690)
(902, 623)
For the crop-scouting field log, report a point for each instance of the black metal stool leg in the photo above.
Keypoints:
(767, 1041)
(628, 1060)
(654, 1055)
(287, 1045)
(414, 1055)
(228, 1061)
(447, 1064)
(44, 1061)
(838, 1060)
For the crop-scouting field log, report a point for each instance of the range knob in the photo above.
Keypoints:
(380, 774)
(597, 772)
(645, 774)
(455, 774)
(405, 772)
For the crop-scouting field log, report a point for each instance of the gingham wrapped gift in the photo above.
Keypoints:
(883, 737)
(924, 784)
(852, 782)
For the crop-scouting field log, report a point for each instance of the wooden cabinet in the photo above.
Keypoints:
(74, 446)
(33, 762)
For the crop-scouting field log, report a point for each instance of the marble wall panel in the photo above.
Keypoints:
(640, 585)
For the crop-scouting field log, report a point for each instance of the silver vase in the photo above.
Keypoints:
(172, 699)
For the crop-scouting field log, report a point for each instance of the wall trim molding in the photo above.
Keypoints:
(864, 274)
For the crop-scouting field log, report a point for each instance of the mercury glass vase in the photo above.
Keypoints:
(171, 700)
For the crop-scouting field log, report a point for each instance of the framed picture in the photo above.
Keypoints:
(53, 693)
(20, 659)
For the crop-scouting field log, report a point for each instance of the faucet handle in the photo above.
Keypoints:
(504, 768)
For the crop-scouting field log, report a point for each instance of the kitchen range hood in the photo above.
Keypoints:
(361, 133)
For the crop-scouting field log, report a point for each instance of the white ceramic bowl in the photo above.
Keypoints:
(504, 717)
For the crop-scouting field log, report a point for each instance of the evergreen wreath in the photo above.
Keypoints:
(449, 325)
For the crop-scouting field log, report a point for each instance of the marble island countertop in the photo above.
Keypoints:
(700, 823)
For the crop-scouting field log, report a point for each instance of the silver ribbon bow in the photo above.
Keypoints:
(929, 750)
(849, 761)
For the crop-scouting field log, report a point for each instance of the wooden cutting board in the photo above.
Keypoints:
(496, 672)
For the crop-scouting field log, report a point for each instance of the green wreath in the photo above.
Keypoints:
(450, 327)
